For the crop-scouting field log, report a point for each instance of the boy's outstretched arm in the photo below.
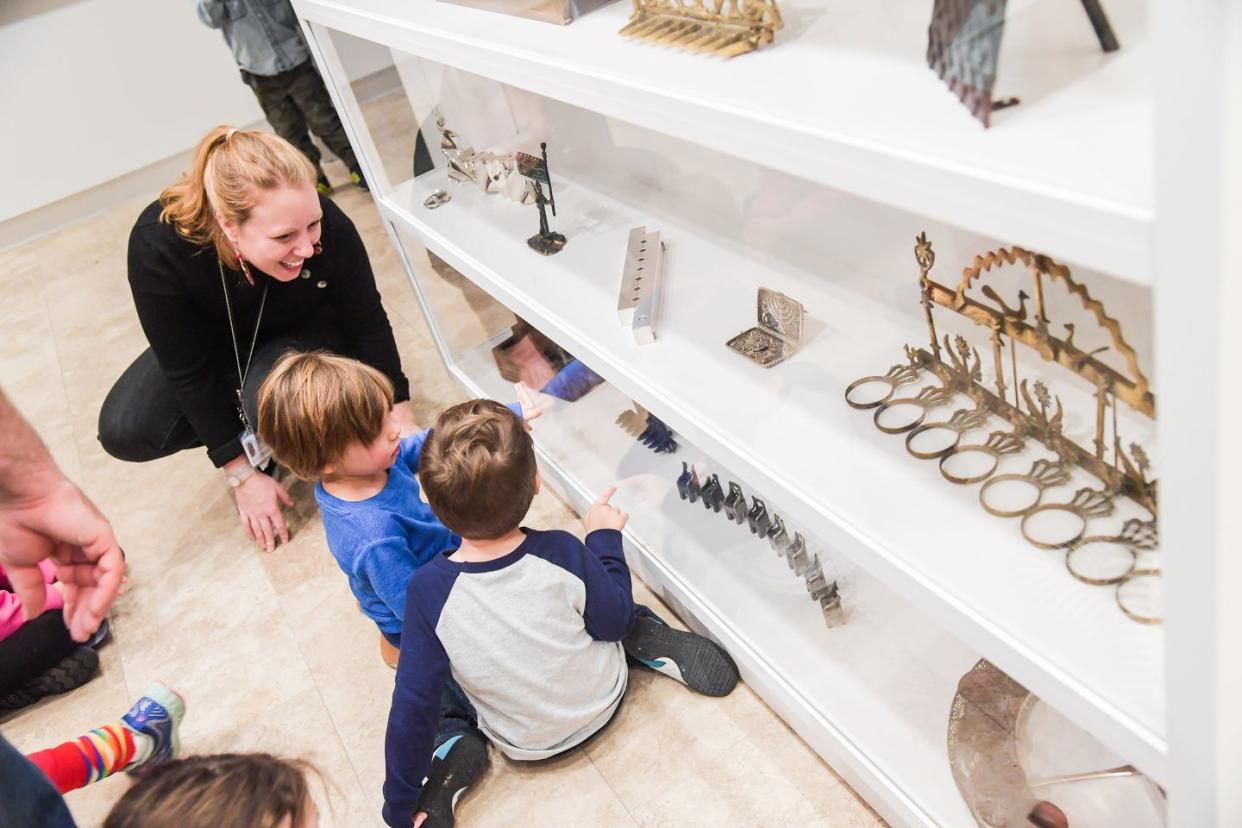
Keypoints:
(609, 592)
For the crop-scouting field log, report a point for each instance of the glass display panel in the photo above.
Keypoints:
(906, 467)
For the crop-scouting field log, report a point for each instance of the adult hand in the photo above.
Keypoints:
(603, 515)
(403, 414)
(259, 500)
(420, 818)
(56, 521)
(530, 409)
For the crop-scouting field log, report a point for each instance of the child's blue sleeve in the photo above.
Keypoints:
(387, 565)
(411, 448)
(609, 593)
(413, 718)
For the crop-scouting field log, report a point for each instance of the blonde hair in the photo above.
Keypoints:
(315, 405)
(226, 790)
(477, 467)
(231, 168)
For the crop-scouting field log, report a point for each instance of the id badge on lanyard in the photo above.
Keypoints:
(257, 452)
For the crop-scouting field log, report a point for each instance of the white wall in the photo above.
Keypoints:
(94, 89)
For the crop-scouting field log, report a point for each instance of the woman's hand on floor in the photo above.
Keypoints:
(259, 500)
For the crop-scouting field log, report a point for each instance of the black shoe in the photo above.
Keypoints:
(700, 664)
(100, 636)
(456, 765)
(355, 175)
(322, 184)
(73, 671)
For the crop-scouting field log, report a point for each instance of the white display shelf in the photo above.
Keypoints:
(873, 693)
(845, 98)
(789, 433)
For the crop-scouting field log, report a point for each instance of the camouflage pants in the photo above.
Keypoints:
(297, 99)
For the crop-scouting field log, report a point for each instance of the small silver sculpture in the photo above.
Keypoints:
(490, 172)
(639, 301)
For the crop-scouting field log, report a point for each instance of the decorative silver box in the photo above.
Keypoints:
(778, 334)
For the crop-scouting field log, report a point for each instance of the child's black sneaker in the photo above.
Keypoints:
(72, 672)
(455, 766)
(700, 664)
(355, 175)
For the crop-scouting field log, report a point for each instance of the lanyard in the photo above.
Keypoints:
(241, 373)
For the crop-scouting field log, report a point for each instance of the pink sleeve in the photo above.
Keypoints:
(11, 616)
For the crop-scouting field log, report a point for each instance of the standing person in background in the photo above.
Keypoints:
(268, 46)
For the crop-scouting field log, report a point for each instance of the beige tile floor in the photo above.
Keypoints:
(269, 649)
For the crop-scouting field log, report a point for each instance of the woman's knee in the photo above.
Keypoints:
(119, 436)
(139, 420)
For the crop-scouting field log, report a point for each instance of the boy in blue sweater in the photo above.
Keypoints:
(529, 630)
(329, 418)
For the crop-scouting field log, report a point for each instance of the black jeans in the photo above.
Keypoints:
(297, 99)
(141, 419)
(33, 649)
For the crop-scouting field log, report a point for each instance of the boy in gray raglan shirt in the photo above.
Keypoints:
(534, 626)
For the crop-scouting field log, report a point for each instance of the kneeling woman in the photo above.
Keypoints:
(239, 261)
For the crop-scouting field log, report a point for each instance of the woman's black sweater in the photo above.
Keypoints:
(180, 303)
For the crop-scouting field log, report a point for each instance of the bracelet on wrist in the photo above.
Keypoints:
(235, 480)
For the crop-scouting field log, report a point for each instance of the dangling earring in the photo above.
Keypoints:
(245, 267)
(317, 247)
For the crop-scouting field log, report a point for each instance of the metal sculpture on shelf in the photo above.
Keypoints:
(1120, 553)
(769, 526)
(535, 170)
(1034, 413)
(648, 429)
(706, 27)
(985, 718)
(778, 334)
(639, 301)
(964, 43)
(492, 173)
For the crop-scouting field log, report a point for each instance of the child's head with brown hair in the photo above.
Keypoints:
(478, 469)
(326, 416)
(227, 790)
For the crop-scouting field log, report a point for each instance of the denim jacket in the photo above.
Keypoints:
(264, 34)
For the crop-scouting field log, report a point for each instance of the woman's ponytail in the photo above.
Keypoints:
(231, 168)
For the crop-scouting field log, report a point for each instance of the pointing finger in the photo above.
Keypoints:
(603, 499)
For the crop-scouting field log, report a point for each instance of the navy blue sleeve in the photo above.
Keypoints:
(610, 595)
(414, 716)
